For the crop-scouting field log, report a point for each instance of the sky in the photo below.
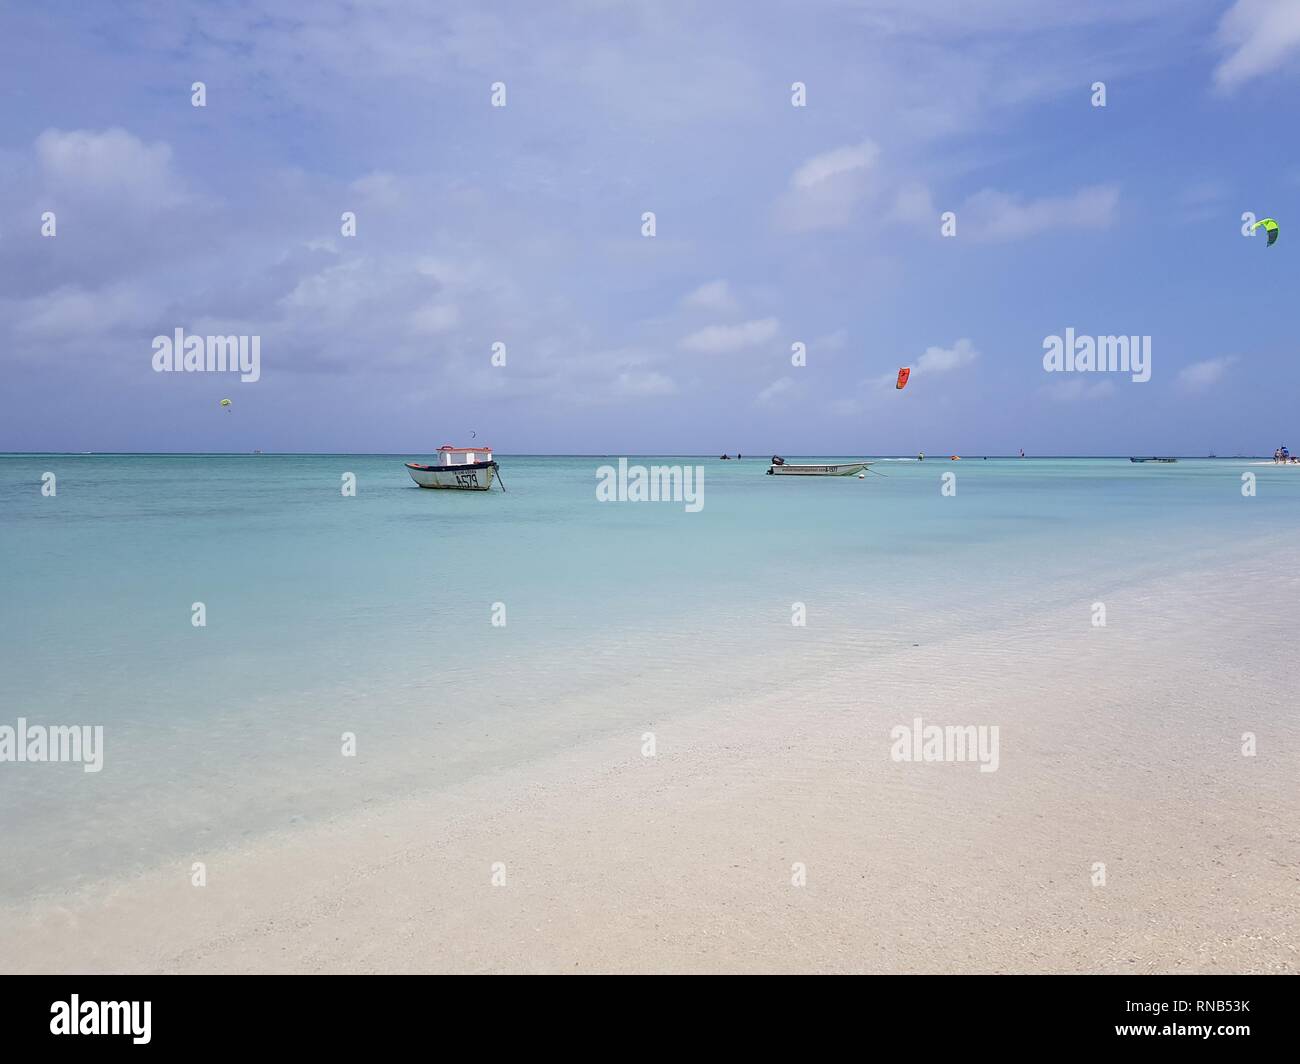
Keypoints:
(775, 225)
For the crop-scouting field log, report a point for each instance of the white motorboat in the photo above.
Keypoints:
(781, 467)
(465, 468)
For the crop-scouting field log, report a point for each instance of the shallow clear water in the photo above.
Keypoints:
(373, 614)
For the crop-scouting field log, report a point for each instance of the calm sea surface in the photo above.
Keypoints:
(373, 614)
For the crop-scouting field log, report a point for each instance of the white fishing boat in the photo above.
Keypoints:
(781, 467)
(465, 468)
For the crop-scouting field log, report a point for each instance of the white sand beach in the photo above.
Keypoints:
(1120, 745)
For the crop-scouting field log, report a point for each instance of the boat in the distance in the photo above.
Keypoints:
(466, 468)
(1153, 459)
(838, 469)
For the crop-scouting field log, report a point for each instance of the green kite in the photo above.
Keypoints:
(1270, 227)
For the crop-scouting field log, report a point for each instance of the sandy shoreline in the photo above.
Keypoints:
(1119, 745)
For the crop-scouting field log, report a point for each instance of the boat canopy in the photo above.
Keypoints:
(447, 455)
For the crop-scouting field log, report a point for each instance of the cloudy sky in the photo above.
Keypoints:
(775, 225)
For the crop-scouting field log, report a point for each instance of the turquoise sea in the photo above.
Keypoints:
(373, 614)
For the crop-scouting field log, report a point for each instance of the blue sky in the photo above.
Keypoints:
(775, 224)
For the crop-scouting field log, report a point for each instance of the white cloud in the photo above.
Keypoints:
(339, 289)
(834, 163)
(944, 359)
(1201, 375)
(435, 318)
(378, 188)
(1261, 35)
(994, 215)
(721, 339)
(830, 342)
(715, 296)
(779, 387)
(112, 165)
(826, 190)
(75, 312)
(453, 272)
(961, 19)
(634, 384)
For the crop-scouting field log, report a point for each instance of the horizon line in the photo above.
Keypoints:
(937, 455)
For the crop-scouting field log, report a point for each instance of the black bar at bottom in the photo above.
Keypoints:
(341, 1013)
